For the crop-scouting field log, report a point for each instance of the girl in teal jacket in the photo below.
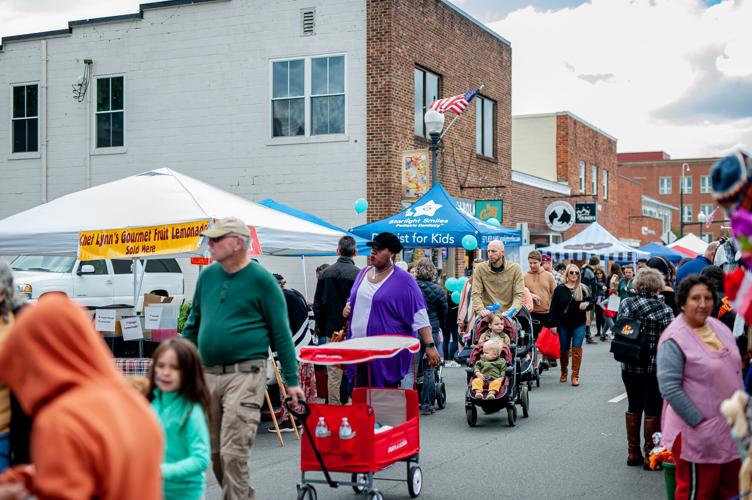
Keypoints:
(180, 397)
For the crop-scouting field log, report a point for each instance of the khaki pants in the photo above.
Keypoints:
(236, 399)
(334, 374)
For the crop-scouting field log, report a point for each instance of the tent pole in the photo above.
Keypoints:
(305, 278)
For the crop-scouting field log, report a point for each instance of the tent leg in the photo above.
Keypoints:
(305, 278)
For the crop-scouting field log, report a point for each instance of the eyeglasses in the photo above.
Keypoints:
(574, 273)
(220, 238)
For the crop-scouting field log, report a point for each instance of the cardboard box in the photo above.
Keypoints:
(150, 298)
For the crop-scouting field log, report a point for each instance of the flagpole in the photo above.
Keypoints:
(454, 120)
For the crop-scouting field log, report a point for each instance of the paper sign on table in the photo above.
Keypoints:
(105, 320)
(131, 327)
(153, 317)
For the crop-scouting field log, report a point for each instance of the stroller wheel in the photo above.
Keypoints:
(525, 401)
(441, 397)
(375, 495)
(360, 480)
(414, 481)
(307, 492)
(512, 416)
(472, 416)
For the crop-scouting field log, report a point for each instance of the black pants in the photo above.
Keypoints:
(539, 321)
(643, 394)
(599, 319)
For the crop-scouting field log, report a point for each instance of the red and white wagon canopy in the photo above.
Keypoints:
(358, 350)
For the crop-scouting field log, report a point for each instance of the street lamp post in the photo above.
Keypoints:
(685, 168)
(701, 218)
(434, 124)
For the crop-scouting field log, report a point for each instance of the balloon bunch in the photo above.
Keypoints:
(455, 285)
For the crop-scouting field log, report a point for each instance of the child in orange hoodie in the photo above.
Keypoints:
(93, 436)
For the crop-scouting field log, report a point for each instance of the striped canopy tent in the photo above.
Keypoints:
(594, 240)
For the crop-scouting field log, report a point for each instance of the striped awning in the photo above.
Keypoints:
(594, 240)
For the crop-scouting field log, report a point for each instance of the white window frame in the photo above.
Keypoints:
(426, 103)
(26, 154)
(594, 179)
(687, 187)
(687, 215)
(307, 83)
(705, 186)
(480, 102)
(706, 208)
(605, 184)
(583, 173)
(664, 189)
(93, 94)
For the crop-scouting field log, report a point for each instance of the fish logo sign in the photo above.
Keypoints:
(428, 209)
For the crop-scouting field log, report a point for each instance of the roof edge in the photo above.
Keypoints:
(476, 22)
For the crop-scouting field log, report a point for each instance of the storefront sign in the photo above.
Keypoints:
(559, 216)
(416, 174)
(467, 206)
(489, 209)
(585, 212)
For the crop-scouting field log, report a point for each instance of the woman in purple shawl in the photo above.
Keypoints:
(385, 300)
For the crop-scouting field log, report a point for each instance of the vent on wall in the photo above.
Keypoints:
(308, 21)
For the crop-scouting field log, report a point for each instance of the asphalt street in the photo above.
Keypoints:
(571, 446)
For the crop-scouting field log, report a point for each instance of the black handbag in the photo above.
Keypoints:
(628, 345)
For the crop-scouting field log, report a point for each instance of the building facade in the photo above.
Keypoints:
(661, 179)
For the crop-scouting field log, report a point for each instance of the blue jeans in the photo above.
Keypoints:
(4, 451)
(427, 395)
(568, 335)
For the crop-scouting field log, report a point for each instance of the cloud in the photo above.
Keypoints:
(671, 75)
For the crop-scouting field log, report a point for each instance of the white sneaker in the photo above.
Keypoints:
(451, 364)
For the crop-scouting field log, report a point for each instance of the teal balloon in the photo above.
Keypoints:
(469, 242)
(361, 205)
(494, 222)
(462, 282)
(451, 284)
(456, 297)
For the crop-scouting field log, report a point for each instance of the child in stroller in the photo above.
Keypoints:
(489, 370)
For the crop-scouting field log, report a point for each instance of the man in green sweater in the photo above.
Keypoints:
(497, 281)
(238, 313)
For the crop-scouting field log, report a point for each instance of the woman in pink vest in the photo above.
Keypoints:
(698, 367)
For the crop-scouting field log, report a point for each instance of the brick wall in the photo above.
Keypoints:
(529, 205)
(402, 35)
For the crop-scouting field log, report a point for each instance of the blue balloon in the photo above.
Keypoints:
(494, 222)
(469, 242)
(456, 297)
(461, 282)
(361, 205)
(451, 284)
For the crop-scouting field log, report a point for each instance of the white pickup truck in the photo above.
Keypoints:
(96, 283)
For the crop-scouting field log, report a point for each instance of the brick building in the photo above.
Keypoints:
(660, 177)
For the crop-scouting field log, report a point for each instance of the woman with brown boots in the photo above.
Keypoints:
(568, 305)
(641, 381)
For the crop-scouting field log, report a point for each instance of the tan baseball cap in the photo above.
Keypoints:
(226, 226)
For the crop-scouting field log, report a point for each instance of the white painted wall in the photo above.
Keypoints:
(197, 99)
(534, 145)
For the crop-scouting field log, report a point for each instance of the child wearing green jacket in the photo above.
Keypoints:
(180, 397)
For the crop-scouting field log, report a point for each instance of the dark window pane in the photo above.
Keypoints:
(31, 100)
(155, 266)
(117, 129)
(31, 135)
(319, 115)
(432, 88)
(117, 93)
(287, 117)
(488, 127)
(336, 75)
(103, 130)
(479, 125)
(19, 110)
(122, 266)
(419, 99)
(297, 116)
(280, 111)
(103, 94)
(100, 266)
(279, 79)
(297, 78)
(19, 136)
(319, 83)
(337, 114)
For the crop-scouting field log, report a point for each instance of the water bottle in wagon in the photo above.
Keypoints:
(322, 430)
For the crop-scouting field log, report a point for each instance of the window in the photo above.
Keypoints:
(485, 125)
(605, 184)
(122, 266)
(100, 266)
(426, 91)
(706, 208)
(687, 184)
(162, 266)
(25, 120)
(687, 215)
(110, 113)
(594, 179)
(582, 176)
(664, 185)
(310, 87)
(705, 184)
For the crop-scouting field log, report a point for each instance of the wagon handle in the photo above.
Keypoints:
(303, 416)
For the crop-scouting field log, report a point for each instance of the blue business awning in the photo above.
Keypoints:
(656, 249)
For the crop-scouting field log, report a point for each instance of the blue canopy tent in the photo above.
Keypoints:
(656, 249)
(434, 221)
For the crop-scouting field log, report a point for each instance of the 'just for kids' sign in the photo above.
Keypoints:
(140, 241)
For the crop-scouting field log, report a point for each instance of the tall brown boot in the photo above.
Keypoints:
(564, 362)
(634, 454)
(576, 361)
(650, 427)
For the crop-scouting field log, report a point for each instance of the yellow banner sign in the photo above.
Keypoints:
(140, 241)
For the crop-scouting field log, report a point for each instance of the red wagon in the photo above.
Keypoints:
(384, 422)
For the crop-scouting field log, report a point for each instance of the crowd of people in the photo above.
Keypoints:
(202, 401)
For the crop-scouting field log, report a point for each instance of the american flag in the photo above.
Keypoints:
(456, 104)
(709, 220)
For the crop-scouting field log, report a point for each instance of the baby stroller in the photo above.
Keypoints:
(439, 386)
(513, 391)
(532, 361)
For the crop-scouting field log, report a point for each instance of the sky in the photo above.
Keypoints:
(669, 75)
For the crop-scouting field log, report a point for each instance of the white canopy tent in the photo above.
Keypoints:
(594, 240)
(153, 198)
(691, 242)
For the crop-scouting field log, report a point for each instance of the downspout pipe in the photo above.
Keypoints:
(43, 121)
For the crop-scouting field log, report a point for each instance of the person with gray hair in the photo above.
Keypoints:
(640, 380)
(436, 305)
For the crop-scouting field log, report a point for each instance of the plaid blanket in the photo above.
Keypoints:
(133, 366)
